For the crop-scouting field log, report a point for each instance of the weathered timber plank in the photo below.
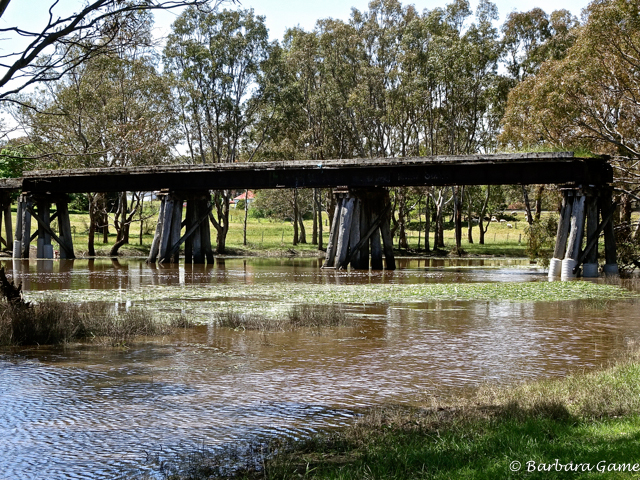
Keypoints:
(592, 228)
(563, 227)
(346, 214)
(155, 244)
(574, 240)
(464, 170)
(332, 244)
(176, 226)
(64, 227)
(165, 237)
(354, 236)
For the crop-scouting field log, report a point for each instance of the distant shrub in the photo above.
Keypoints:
(541, 236)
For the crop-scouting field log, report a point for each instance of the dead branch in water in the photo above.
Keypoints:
(12, 293)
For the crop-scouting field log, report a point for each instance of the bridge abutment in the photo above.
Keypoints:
(579, 218)
(361, 219)
(197, 237)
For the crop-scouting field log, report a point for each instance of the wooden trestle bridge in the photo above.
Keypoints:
(360, 233)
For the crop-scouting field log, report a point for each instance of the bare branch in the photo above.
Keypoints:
(86, 28)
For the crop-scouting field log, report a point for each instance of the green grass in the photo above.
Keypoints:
(588, 419)
(274, 237)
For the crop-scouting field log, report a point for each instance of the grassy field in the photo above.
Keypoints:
(270, 237)
(586, 425)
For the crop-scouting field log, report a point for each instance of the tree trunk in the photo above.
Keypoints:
(246, 214)
(120, 224)
(320, 227)
(427, 224)
(625, 215)
(141, 219)
(527, 205)
(116, 246)
(458, 195)
(483, 212)
(295, 216)
(93, 220)
(539, 192)
(303, 232)
(221, 201)
(469, 220)
(314, 233)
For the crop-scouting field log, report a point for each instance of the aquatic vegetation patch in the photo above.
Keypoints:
(278, 297)
(298, 316)
(51, 322)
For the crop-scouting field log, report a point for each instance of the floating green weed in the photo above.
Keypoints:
(275, 299)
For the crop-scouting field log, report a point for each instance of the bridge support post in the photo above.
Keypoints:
(44, 233)
(610, 255)
(361, 217)
(580, 206)
(5, 216)
(197, 237)
(23, 227)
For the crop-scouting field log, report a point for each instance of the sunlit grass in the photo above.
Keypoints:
(268, 236)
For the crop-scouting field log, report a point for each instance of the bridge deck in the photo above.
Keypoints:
(518, 168)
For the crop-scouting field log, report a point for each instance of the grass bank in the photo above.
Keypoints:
(270, 237)
(586, 425)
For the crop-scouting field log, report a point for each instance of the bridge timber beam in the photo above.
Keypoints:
(529, 168)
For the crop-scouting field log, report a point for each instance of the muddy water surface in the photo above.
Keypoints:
(94, 412)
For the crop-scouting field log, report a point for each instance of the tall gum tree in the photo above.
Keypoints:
(589, 100)
(216, 61)
(108, 111)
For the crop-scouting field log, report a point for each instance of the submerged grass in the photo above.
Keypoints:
(586, 425)
(276, 298)
(299, 316)
(51, 322)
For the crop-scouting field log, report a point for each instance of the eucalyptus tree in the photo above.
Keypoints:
(589, 99)
(109, 111)
(216, 60)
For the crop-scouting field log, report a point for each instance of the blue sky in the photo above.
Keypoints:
(280, 14)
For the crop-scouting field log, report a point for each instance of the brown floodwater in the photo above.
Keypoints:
(93, 412)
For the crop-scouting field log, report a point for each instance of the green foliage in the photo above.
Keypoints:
(541, 235)
(216, 59)
(12, 162)
(79, 202)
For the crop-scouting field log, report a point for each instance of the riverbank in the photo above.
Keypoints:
(586, 425)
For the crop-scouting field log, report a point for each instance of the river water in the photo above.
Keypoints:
(88, 411)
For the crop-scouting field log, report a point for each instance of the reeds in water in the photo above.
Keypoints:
(299, 316)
